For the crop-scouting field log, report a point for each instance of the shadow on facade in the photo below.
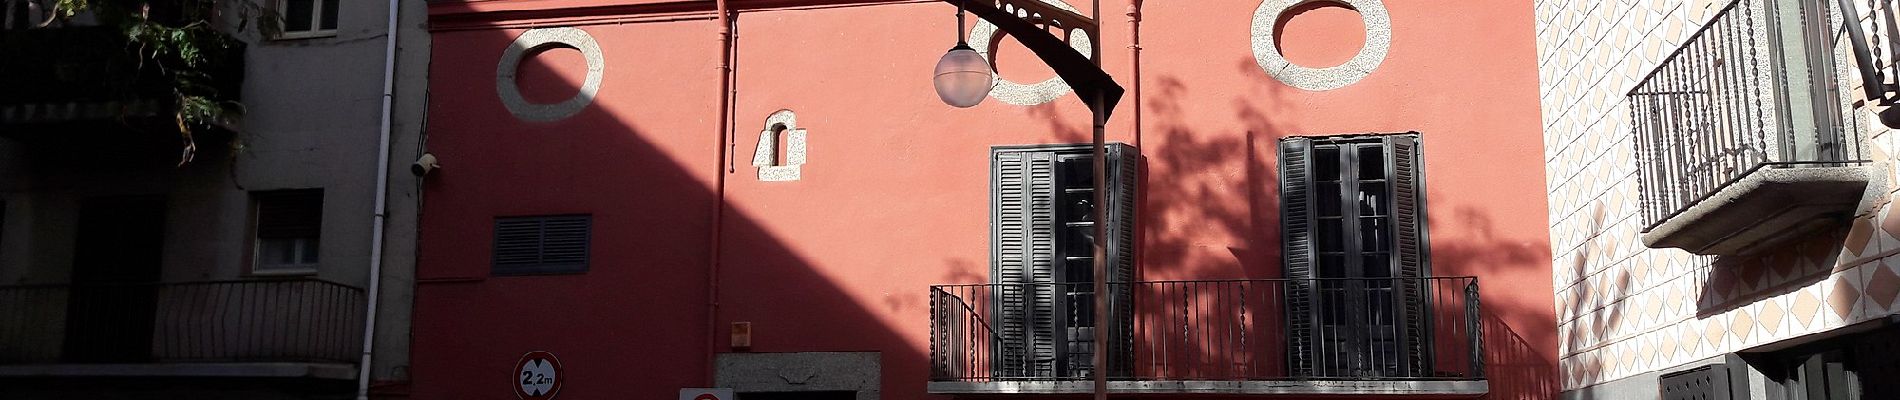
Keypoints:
(635, 324)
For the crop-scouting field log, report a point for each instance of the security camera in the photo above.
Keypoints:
(424, 165)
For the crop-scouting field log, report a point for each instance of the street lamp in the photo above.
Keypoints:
(963, 77)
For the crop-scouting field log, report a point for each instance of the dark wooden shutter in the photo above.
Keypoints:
(1124, 164)
(1296, 238)
(289, 214)
(1408, 227)
(542, 245)
(1023, 260)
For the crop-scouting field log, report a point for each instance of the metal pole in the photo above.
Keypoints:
(1098, 108)
(1100, 211)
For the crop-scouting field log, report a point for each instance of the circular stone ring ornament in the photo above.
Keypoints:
(537, 376)
(984, 38)
(534, 41)
(1378, 39)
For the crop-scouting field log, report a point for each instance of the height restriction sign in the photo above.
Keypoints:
(537, 376)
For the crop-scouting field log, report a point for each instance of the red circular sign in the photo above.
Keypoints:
(537, 376)
(706, 396)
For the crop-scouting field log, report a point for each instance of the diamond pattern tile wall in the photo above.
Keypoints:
(1670, 307)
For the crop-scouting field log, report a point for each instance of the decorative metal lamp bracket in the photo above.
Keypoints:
(1873, 77)
(1030, 22)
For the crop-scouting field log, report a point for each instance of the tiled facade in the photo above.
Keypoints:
(1624, 309)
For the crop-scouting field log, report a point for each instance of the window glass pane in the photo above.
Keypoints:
(1328, 236)
(1077, 172)
(1376, 266)
(1328, 198)
(1326, 164)
(329, 13)
(286, 253)
(1330, 266)
(297, 15)
(1079, 270)
(1077, 206)
(1078, 242)
(1372, 199)
(1372, 161)
(308, 250)
(1375, 234)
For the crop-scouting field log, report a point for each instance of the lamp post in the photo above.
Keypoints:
(959, 85)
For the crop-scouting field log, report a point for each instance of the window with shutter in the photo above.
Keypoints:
(1353, 232)
(288, 227)
(542, 245)
(1042, 259)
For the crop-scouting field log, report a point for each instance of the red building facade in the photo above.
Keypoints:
(591, 206)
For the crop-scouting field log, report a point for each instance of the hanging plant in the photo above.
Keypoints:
(185, 43)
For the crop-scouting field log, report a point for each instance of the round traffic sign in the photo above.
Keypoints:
(537, 376)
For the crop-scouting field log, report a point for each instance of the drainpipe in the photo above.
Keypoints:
(719, 201)
(1134, 64)
(382, 209)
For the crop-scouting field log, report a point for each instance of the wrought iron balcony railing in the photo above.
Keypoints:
(302, 320)
(1213, 330)
(1747, 100)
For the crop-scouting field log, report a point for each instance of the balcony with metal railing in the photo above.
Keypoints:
(295, 328)
(1742, 136)
(1340, 336)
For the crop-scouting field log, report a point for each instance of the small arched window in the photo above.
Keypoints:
(781, 149)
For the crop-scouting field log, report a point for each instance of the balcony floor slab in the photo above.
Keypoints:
(1766, 207)
(1448, 388)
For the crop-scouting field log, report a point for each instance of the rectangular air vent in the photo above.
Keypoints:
(1708, 382)
(542, 245)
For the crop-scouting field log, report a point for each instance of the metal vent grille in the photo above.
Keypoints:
(542, 245)
(1709, 382)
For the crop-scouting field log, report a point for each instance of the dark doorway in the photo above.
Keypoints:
(828, 395)
(116, 263)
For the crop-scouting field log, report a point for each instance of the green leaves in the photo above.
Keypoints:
(183, 46)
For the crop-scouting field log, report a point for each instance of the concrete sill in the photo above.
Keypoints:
(1763, 208)
(200, 370)
(1435, 388)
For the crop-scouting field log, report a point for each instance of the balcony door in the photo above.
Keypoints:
(1354, 257)
(1043, 261)
(116, 262)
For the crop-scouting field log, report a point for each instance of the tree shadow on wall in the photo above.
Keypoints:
(1209, 209)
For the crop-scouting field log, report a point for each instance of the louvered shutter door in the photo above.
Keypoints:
(1024, 249)
(1296, 237)
(1124, 177)
(1408, 231)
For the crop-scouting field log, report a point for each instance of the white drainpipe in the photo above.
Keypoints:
(382, 209)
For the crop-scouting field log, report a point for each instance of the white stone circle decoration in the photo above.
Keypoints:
(766, 154)
(1378, 40)
(983, 36)
(533, 41)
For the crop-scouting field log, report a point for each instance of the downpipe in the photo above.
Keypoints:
(382, 209)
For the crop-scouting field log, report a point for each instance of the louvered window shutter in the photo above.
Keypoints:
(1296, 233)
(289, 214)
(1408, 227)
(542, 245)
(1124, 176)
(1023, 261)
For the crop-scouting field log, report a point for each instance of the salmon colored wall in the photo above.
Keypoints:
(895, 195)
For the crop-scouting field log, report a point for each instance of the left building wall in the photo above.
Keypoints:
(312, 120)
